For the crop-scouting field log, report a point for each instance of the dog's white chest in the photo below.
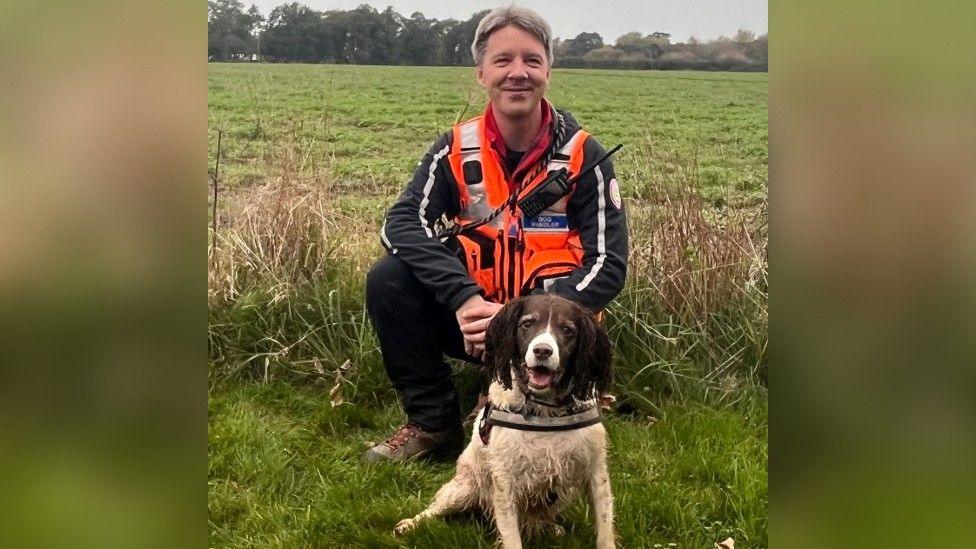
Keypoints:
(544, 461)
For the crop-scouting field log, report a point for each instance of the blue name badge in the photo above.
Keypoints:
(555, 222)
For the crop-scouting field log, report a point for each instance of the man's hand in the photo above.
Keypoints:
(473, 318)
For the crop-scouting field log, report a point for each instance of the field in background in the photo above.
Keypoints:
(311, 156)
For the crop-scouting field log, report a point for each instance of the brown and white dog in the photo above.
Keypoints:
(549, 360)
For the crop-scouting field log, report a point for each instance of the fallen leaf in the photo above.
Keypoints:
(335, 395)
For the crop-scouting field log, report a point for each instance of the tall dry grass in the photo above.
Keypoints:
(692, 321)
(699, 260)
(285, 273)
(281, 237)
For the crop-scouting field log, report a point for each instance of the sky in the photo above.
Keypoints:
(703, 19)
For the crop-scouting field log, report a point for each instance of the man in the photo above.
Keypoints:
(428, 297)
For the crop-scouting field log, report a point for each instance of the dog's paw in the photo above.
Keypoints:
(403, 527)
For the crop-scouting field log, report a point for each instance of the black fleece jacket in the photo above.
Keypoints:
(409, 228)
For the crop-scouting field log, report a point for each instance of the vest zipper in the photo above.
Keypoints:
(511, 268)
(500, 267)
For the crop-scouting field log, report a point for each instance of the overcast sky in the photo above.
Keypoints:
(703, 19)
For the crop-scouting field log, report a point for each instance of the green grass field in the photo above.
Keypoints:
(311, 156)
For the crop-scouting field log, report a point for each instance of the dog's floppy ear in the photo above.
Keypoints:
(501, 342)
(593, 359)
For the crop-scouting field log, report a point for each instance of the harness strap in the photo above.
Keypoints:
(493, 416)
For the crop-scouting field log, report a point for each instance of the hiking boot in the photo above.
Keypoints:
(412, 442)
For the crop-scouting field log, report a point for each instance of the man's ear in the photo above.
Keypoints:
(480, 73)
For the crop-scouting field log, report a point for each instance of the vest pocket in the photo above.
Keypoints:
(547, 264)
(479, 260)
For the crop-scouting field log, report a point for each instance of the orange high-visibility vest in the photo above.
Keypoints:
(511, 255)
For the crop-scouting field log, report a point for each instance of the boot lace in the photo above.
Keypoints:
(403, 435)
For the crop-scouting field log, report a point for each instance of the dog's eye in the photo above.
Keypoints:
(568, 330)
(527, 323)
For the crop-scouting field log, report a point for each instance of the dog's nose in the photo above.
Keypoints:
(542, 351)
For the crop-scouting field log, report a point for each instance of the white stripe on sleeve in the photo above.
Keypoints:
(430, 183)
(601, 243)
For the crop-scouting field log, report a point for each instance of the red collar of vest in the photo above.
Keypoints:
(539, 144)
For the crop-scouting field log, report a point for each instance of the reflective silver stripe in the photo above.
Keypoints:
(470, 136)
(386, 239)
(471, 140)
(430, 184)
(601, 243)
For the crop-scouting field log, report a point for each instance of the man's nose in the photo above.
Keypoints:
(517, 70)
(542, 351)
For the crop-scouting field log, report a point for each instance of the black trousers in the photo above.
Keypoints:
(415, 332)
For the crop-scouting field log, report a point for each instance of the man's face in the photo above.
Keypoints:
(514, 71)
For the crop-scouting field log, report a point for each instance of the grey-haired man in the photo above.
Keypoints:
(428, 298)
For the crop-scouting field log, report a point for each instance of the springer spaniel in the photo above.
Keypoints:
(541, 442)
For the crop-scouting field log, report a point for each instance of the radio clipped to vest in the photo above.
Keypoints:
(557, 184)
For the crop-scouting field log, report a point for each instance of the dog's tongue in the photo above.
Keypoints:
(540, 378)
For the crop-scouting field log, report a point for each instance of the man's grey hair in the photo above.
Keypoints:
(517, 16)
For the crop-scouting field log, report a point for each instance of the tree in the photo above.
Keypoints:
(606, 53)
(294, 33)
(632, 42)
(743, 36)
(371, 36)
(257, 22)
(758, 49)
(559, 48)
(457, 38)
(419, 41)
(584, 43)
(229, 29)
(651, 46)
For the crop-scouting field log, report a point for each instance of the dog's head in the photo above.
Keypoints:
(554, 347)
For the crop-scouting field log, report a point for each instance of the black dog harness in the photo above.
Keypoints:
(524, 421)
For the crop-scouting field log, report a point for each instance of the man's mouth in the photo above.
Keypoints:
(519, 90)
(540, 377)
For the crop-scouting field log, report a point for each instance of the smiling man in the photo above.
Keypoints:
(434, 294)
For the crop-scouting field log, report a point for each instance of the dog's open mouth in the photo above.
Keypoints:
(540, 377)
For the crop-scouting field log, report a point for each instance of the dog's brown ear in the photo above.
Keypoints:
(593, 359)
(501, 342)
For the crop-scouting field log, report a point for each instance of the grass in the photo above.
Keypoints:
(311, 158)
(284, 471)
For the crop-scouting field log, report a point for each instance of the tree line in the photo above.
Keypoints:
(296, 33)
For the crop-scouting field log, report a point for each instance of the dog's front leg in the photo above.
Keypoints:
(601, 499)
(506, 514)
(460, 493)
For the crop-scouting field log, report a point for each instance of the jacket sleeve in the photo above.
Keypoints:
(596, 211)
(408, 231)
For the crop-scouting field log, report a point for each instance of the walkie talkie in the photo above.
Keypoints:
(556, 185)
